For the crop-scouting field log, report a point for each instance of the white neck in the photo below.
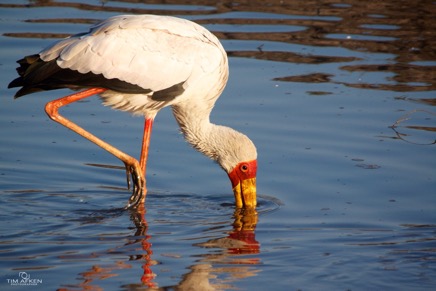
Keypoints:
(198, 130)
(220, 143)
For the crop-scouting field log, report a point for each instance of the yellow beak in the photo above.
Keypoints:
(245, 193)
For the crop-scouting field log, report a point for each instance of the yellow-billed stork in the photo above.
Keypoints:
(140, 64)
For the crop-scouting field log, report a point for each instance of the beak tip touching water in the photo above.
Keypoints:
(245, 193)
(243, 178)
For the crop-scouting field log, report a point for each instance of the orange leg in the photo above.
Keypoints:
(133, 167)
(148, 125)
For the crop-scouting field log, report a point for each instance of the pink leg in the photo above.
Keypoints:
(145, 144)
(132, 165)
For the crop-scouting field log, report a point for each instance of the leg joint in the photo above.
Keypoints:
(52, 108)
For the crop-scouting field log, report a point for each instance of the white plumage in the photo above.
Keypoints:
(153, 52)
(144, 63)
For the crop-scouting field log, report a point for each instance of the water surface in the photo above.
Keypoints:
(339, 99)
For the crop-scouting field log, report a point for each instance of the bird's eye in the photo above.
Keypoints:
(244, 167)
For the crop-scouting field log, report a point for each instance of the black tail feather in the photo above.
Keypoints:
(38, 75)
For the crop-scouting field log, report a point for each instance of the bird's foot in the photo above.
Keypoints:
(134, 173)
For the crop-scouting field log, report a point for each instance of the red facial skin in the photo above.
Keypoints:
(243, 178)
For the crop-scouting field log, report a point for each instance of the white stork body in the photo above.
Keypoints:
(144, 63)
(152, 52)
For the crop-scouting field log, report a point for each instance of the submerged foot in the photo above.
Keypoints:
(134, 175)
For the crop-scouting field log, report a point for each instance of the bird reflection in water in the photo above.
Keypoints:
(241, 240)
(213, 271)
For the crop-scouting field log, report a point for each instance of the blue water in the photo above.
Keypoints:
(346, 202)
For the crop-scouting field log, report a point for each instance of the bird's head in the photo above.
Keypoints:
(232, 150)
(243, 178)
(240, 163)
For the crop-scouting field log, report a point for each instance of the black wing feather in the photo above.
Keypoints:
(37, 75)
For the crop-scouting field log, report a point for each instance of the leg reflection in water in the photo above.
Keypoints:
(223, 261)
(138, 218)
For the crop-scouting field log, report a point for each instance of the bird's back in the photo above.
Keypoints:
(159, 56)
